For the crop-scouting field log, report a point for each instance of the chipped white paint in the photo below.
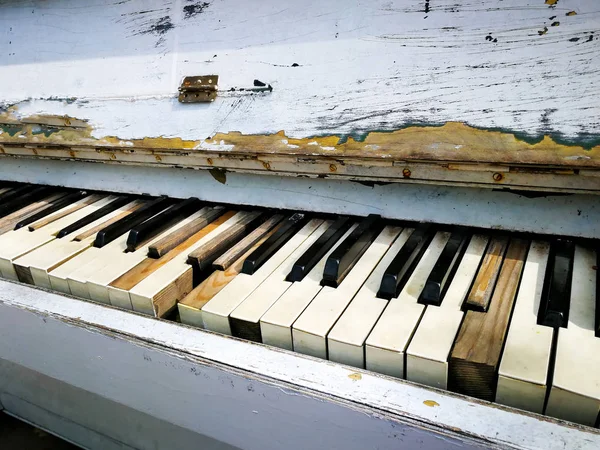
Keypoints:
(335, 68)
(185, 369)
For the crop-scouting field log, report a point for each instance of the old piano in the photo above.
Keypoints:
(229, 224)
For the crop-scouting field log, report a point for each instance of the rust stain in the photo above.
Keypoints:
(551, 2)
(355, 376)
(431, 403)
(451, 142)
(571, 13)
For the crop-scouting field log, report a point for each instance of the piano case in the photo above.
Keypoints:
(453, 113)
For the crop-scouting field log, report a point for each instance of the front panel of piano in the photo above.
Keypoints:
(419, 112)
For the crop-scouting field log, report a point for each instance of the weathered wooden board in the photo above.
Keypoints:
(179, 371)
(512, 83)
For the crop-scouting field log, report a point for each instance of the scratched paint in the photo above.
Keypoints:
(449, 142)
(365, 80)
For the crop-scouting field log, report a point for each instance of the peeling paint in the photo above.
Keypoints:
(452, 142)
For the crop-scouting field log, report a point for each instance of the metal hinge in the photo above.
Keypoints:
(200, 89)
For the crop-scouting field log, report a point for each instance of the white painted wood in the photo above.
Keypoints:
(345, 341)
(309, 332)
(429, 349)
(120, 297)
(575, 390)
(276, 323)
(386, 345)
(574, 215)
(19, 242)
(307, 70)
(51, 255)
(264, 296)
(523, 368)
(86, 418)
(186, 369)
(215, 313)
(143, 294)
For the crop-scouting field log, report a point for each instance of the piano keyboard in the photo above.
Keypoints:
(498, 316)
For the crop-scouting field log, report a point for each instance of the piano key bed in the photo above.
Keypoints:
(504, 317)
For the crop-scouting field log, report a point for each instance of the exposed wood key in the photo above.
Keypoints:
(202, 257)
(24, 199)
(152, 227)
(54, 206)
(115, 230)
(483, 287)
(107, 209)
(163, 246)
(473, 365)
(231, 256)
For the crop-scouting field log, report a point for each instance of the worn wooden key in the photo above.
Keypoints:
(52, 207)
(483, 286)
(232, 255)
(168, 243)
(473, 365)
(117, 203)
(202, 257)
(154, 226)
(115, 230)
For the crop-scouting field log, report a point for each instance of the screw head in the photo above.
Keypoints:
(406, 173)
(332, 168)
(498, 176)
(266, 165)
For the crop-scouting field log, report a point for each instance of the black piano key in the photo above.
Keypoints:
(321, 246)
(15, 192)
(258, 257)
(443, 271)
(402, 266)
(24, 199)
(347, 254)
(106, 209)
(152, 227)
(52, 208)
(554, 307)
(113, 231)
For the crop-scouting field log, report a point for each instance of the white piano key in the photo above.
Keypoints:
(276, 324)
(385, 346)
(575, 390)
(429, 349)
(144, 294)
(49, 256)
(309, 332)
(215, 314)
(16, 243)
(258, 302)
(346, 340)
(111, 261)
(524, 366)
(120, 297)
